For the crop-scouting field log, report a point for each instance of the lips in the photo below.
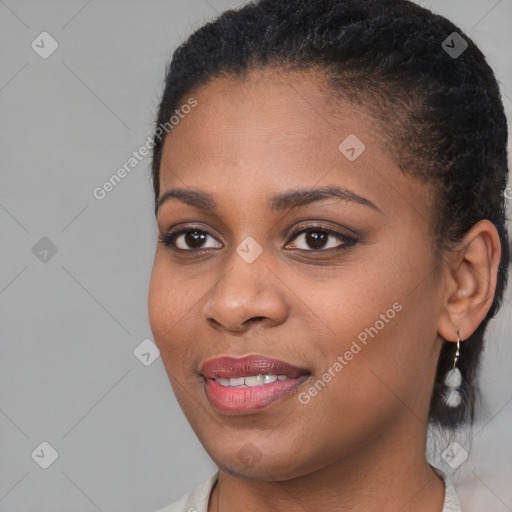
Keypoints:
(246, 385)
(233, 367)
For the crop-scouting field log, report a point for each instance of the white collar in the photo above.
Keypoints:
(197, 499)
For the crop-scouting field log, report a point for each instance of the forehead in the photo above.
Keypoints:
(249, 138)
(271, 117)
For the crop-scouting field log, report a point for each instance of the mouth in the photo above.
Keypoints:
(248, 384)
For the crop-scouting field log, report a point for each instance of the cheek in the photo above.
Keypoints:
(165, 307)
(382, 321)
(159, 303)
(174, 310)
(170, 298)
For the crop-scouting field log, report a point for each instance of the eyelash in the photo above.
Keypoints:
(168, 239)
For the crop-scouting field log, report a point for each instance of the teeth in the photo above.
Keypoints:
(251, 380)
(254, 380)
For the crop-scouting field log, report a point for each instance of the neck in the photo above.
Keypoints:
(385, 475)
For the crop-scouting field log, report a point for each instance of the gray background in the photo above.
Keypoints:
(70, 325)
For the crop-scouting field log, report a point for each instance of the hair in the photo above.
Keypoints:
(443, 115)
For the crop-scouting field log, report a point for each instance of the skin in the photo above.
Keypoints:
(359, 444)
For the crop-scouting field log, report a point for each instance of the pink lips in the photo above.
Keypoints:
(243, 400)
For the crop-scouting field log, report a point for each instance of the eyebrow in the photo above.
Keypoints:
(294, 198)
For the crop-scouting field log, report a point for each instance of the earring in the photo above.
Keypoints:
(453, 380)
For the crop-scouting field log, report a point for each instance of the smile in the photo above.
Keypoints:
(251, 380)
(246, 385)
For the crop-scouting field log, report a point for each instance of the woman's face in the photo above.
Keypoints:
(343, 287)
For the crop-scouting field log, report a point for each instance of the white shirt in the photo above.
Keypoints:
(197, 499)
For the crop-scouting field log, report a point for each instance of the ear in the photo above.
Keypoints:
(471, 272)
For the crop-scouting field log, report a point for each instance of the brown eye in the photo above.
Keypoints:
(188, 239)
(193, 239)
(318, 238)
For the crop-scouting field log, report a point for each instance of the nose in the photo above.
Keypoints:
(247, 294)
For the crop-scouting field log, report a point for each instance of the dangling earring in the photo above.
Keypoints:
(453, 379)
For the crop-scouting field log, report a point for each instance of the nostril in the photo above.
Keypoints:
(214, 323)
(254, 319)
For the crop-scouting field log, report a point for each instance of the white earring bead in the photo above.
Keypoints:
(453, 379)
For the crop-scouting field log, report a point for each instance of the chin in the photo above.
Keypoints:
(247, 460)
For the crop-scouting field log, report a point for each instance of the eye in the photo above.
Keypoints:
(313, 238)
(318, 238)
(187, 239)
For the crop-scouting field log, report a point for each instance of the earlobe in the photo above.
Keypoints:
(471, 276)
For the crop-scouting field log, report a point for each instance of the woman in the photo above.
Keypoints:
(329, 189)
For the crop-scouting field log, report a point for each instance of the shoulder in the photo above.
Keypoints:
(196, 500)
(451, 500)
